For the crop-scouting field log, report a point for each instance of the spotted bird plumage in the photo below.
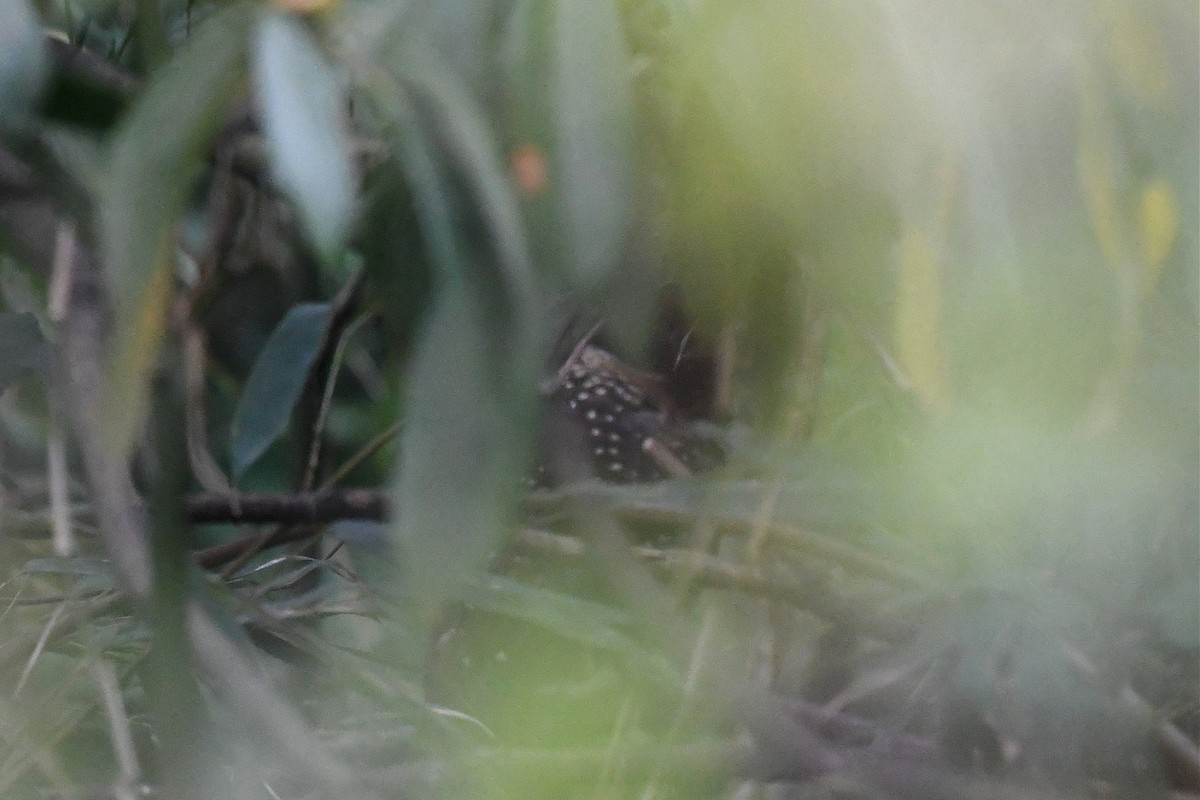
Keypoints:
(624, 422)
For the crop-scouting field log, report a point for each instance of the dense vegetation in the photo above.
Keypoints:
(286, 290)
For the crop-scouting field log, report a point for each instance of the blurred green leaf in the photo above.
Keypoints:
(573, 619)
(23, 68)
(304, 118)
(779, 164)
(1175, 608)
(461, 457)
(572, 132)
(22, 347)
(156, 155)
(466, 141)
(276, 383)
(470, 387)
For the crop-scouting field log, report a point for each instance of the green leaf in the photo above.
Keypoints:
(569, 75)
(276, 383)
(79, 575)
(593, 125)
(451, 117)
(471, 385)
(577, 620)
(23, 68)
(157, 153)
(22, 347)
(304, 118)
(461, 456)
(1174, 608)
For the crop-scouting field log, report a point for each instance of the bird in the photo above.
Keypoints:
(619, 423)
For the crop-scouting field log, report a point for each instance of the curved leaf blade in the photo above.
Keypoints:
(155, 157)
(306, 130)
(461, 456)
(451, 116)
(276, 383)
(471, 385)
(584, 621)
(23, 69)
(22, 347)
(572, 116)
(593, 123)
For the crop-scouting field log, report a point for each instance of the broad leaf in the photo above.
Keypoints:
(452, 118)
(593, 126)
(471, 385)
(276, 383)
(156, 155)
(577, 620)
(572, 128)
(22, 62)
(461, 456)
(22, 347)
(304, 118)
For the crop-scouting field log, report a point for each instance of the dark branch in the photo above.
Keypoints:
(302, 508)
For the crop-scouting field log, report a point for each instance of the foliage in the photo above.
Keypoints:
(943, 261)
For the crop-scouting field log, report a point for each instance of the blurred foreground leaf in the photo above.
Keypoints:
(461, 456)
(572, 130)
(470, 386)
(156, 155)
(22, 347)
(918, 318)
(22, 62)
(307, 137)
(573, 619)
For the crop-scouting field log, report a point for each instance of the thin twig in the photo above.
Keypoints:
(369, 449)
(329, 505)
(806, 593)
(36, 653)
(57, 481)
(61, 271)
(1183, 751)
(664, 459)
(204, 466)
(119, 729)
(372, 504)
(326, 367)
(310, 472)
(66, 622)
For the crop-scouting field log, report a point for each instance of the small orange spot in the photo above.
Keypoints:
(528, 168)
